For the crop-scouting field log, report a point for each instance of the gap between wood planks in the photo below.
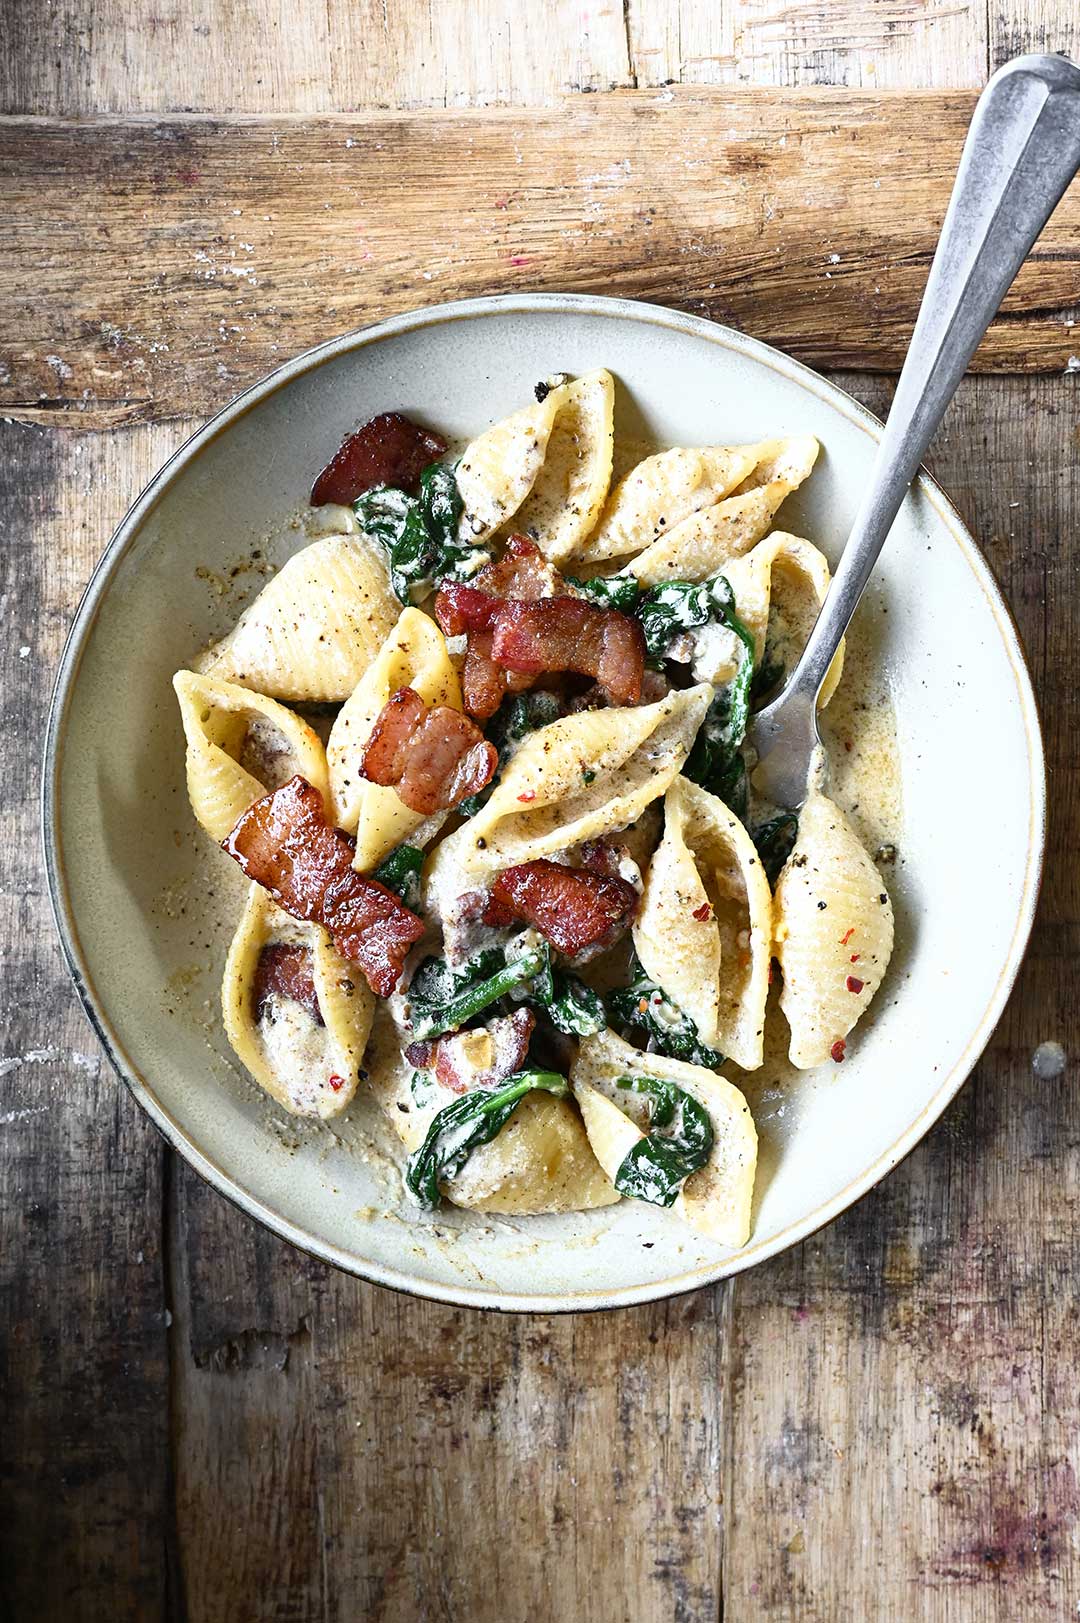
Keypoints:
(151, 268)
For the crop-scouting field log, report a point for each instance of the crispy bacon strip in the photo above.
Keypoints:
(572, 907)
(432, 755)
(569, 634)
(521, 574)
(285, 843)
(480, 1058)
(389, 450)
(285, 970)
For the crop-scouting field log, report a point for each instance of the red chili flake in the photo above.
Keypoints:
(530, 794)
(337, 1082)
(844, 939)
(703, 912)
(847, 745)
(838, 1049)
(855, 957)
(853, 983)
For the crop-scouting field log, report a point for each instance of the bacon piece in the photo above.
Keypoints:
(389, 450)
(570, 634)
(572, 907)
(522, 574)
(286, 845)
(284, 970)
(432, 755)
(481, 1057)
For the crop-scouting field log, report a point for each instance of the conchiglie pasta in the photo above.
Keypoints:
(500, 468)
(569, 490)
(779, 587)
(703, 931)
(539, 1162)
(833, 932)
(314, 628)
(716, 1200)
(702, 544)
(240, 745)
(413, 655)
(311, 1069)
(582, 776)
(660, 493)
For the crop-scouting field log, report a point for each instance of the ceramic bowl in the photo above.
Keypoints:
(145, 909)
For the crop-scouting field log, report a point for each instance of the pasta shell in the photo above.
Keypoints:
(716, 1200)
(660, 493)
(779, 587)
(240, 745)
(500, 467)
(540, 1161)
(314, 628)
(701, 545)
(833, 932)
(292, 1057)
(573, 480)
(582, 776)
(413, 655)
(703, 931)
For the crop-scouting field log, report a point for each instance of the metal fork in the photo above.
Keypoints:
(1021, 152)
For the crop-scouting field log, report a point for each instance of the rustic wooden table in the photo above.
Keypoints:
(200, 1423)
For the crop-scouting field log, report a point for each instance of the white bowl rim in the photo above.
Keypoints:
(83, 623)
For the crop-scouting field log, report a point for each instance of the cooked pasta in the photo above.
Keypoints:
(523, 900)
(314, 628)
(716, 1198)
(413, 655)
(833, 933)
(239, 745)
(307, 1052)
(704, 928)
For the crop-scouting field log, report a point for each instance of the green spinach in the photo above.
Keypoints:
(419, 532)
(643, 1007)
(679, 1142)
(568, 1003)
(400, 872)
(461, 1127)
(443, 999)
(775, 840)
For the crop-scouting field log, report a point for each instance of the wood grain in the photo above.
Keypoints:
(86, 1522)
(321, 56)
(209, 252)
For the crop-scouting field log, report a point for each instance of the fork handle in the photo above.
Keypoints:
(1021, 152)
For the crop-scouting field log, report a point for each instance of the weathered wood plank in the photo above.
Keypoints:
(318, 56)
(902, 1442)
(1017, 26)
(304, 56)
(208, 252)
(85, 1527)
(434, 1461)
(886, 44)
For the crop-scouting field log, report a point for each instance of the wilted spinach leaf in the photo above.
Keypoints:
(400, 872)
(679, 1142)
(464, 1125)
(443, 999)
(643, 1007)
(775, 840)
(419, 532)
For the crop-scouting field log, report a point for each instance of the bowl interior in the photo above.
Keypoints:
(142, 901)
